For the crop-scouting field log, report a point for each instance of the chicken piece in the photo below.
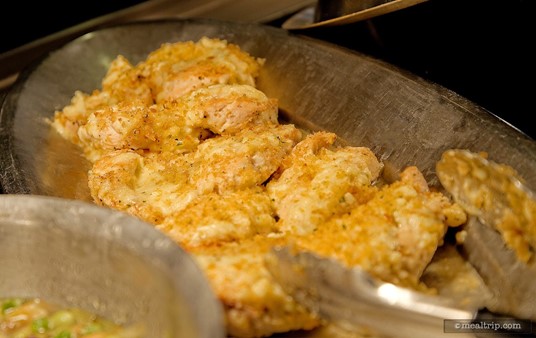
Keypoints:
(228, 109)
(122, 83)
(137, 127)
(212, 219)
(173, 70)
(394, 235)
(178, 68)
(126, 83)
(149, 186)
(307, 147)
(246, 159)
(176, 126)
(154, 186)
(67, 121)
(319, 183)
(255, 304)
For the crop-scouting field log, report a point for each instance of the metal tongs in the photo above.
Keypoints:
(353, 299)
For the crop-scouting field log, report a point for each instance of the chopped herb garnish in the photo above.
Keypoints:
(40, 325)
(63, 334)
(10, 304)
(91, 328)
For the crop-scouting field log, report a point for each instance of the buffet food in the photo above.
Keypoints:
(38, 318)
(186, 141)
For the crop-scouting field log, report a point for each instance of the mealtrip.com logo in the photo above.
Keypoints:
(502, 325)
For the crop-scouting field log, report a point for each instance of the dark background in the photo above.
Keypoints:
(481, 49)
(24, 21)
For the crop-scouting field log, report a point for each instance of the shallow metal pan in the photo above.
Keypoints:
(404, 119)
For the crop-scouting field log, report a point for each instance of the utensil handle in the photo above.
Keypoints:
(353, 299)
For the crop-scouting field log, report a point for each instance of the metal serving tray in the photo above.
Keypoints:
(404, 119)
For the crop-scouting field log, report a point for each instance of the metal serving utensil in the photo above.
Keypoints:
(341, 12)
(330, 9)
(500, 239)
(352, 299)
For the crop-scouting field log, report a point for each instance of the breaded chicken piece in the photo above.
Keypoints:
(127, 126)
(394, 235)
(213, 219)
(150, 186)
(125, 83)
(178, 68)
(245, 159)
(228, 109)
(319, 182)
(122, 83)
(173, 70)
(67, 121)
(255, 304)
(176, 126)
(154, 186)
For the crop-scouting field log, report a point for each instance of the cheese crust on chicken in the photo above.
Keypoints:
(171, 71)
(185, 141)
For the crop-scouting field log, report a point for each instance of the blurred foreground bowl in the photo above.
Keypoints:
(77, 254)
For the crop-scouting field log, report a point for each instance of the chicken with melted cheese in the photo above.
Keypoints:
(393, 235)
(171, 71)
(154, 186)
(319, 183)
(179, 125)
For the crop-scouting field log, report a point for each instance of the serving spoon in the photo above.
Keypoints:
(500, 239)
